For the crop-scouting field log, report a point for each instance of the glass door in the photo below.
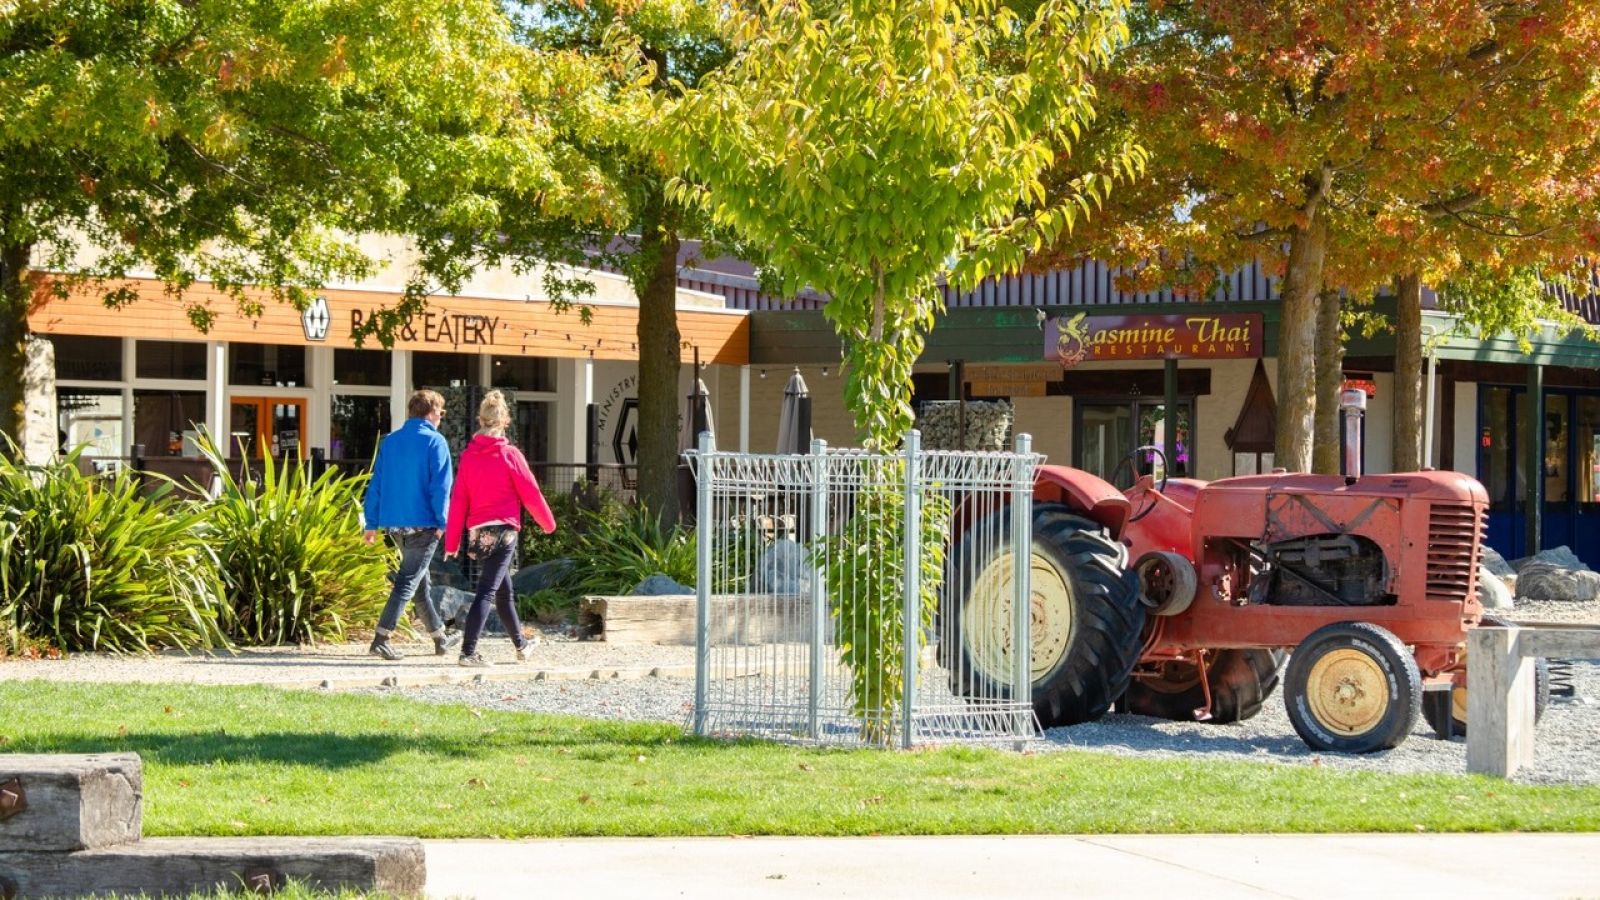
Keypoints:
(1105, 436)
(1105, 432)
(258, 426)
(1569, 469)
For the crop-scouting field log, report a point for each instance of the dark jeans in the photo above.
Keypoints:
(494, 580)
(416, 552)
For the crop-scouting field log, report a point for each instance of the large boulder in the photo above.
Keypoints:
(447, 572)
(1492, 591)
(659, 585)
(452, 603)
(784, 569)
(1546, 581)
(1560, 557)
(535, 578)
(1494, 562)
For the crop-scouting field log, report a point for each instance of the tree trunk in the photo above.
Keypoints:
(1330, 381)
(14, 302)
(1297, 344)
(1408, 422)
(655, 282)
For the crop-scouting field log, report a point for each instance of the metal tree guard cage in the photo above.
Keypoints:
(856, 598)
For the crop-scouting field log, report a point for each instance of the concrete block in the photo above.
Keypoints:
(70, 801)
(180, 866)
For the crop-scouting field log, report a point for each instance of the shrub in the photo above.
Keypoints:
(548, 606)
(574, 512)
(619, 551)
(292, 556)
(88, 563)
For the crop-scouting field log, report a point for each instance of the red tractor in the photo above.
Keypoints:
(1370, 581)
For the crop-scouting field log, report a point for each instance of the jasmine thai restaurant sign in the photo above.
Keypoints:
(1071, 340)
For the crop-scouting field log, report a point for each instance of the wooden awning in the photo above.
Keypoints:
(450, 324)
(1256, 429)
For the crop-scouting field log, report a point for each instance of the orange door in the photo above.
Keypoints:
(258, 426)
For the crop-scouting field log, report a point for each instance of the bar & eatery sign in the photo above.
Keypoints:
(1071, 340)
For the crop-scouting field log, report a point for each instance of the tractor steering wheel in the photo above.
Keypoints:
(1131, 463)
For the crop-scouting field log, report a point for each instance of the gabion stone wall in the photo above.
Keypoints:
(988, 425)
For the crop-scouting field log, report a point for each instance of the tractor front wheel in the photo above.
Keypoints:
(1085, 617)
(1457, 721)
(1352, 687)
(1240, 682)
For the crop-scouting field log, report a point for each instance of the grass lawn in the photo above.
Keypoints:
(233, 761)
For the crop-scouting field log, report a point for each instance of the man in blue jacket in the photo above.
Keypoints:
(406, 497)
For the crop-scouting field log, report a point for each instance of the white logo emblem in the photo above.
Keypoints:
(315, 320)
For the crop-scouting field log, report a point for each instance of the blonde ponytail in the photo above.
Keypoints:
(493, 414)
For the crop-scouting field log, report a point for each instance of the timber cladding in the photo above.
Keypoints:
(449, 324)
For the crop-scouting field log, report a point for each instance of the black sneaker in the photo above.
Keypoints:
(380, 647)
(443, 645)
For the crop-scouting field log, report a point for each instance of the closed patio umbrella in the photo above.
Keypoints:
(794, 417)
(699, 418)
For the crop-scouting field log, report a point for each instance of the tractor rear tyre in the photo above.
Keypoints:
(1352, 687)
(1241, 681)
(1085, 616)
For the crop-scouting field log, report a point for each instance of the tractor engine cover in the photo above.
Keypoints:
(1322, 570)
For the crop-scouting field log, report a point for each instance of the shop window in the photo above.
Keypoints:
(185, 360)
(266, 364)
(523, 373)
(90, 419)
(363, 367)
(356, 425)
(80, 358)
(442, 370)
(168, 423)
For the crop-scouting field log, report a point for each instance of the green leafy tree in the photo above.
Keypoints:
(868, 148)
(614, 66)
(242, 143)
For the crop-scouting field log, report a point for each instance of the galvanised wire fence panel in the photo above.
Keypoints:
(868, 599)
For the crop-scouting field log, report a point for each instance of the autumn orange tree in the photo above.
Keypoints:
(1350, 146)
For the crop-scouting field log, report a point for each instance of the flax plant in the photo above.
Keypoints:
(87, 562)
(293, 560)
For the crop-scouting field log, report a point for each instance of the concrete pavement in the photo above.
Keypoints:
(1364, 866)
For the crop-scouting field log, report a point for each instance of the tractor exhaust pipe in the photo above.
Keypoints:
(1353, 407)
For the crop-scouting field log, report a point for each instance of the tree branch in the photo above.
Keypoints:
(1451, 206)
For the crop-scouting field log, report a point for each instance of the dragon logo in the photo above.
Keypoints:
(1072, 341)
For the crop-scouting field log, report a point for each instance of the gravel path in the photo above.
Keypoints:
(1567, 747)
(654, 683)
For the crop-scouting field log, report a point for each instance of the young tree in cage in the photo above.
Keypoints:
(868, 149)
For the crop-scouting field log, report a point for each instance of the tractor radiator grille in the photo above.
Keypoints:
(1455, 531)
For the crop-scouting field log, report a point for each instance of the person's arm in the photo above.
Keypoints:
(373, 504)
(439, 480)
(456, 521)
(528, 490)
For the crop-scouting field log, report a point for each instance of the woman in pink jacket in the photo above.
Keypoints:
(493, 484)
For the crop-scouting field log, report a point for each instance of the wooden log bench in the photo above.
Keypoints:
(184, 866)
(58, 803)
(670, 619)
(1500, 694)
(72, 825)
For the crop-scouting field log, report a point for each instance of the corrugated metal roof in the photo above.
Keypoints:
(1090, 283)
